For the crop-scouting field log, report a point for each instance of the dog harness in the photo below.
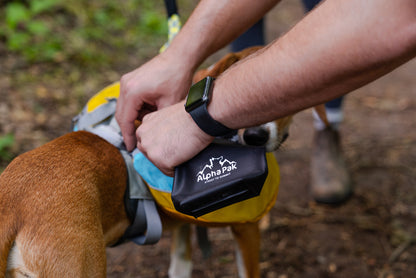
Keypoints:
(98, 117)
(148, 183)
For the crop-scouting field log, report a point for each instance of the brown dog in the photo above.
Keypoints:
(62, 203)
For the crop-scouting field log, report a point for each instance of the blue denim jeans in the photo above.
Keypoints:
(336, 103)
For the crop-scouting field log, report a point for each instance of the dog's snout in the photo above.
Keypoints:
(256, 136)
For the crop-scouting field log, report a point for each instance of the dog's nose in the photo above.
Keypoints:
(256, 136)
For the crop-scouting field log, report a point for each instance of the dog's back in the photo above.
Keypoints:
(37, 213)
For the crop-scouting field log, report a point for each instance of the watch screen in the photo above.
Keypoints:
(198, 93)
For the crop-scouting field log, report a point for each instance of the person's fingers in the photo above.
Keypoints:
(169, 171)
(146, 109)
(127, 131)
(127, 112)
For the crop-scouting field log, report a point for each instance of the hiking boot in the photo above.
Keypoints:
(330, 179)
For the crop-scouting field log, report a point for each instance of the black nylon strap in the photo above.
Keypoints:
(208, 124)
(171, 7)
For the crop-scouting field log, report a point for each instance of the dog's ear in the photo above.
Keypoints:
(199, 75)
(216, 69)
(223, 64)
(321, 111)
(137, 123)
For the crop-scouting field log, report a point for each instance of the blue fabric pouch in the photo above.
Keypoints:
(150, 173)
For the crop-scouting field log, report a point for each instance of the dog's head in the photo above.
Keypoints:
(272, 134)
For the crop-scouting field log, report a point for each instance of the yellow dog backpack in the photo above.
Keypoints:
(98, 117)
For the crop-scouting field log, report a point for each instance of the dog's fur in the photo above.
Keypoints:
(61, 204)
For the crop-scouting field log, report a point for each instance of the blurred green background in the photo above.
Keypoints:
(55, 54)
(83, 32)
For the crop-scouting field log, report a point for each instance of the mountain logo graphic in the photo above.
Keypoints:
(217, 168)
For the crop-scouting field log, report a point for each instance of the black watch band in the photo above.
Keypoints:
(205, 122)
(196, 104)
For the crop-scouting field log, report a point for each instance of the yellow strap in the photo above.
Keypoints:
(174, 25)
(111, 91)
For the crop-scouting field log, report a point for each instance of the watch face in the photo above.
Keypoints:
(198, 94)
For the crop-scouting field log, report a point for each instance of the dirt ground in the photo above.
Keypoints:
(373, 234)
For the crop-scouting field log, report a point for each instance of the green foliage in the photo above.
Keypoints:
(79, 31)
(27, 33)
(6, 142)
(151, 23)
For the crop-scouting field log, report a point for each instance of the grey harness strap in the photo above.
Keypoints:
(146, 227)
(87, 120)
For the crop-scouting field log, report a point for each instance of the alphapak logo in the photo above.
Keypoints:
(217, 168)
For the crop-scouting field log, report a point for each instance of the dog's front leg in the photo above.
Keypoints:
(247, 236)
(181, 250)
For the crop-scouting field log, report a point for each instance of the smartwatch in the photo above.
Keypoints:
(196, 105)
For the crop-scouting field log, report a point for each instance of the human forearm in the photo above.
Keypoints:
(213, 25)
(165, 79)
(337, 48)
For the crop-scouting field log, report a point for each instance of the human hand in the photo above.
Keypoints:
(169, 137)
(161, 82)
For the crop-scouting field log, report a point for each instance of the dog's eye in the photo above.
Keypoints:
(285, 136)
